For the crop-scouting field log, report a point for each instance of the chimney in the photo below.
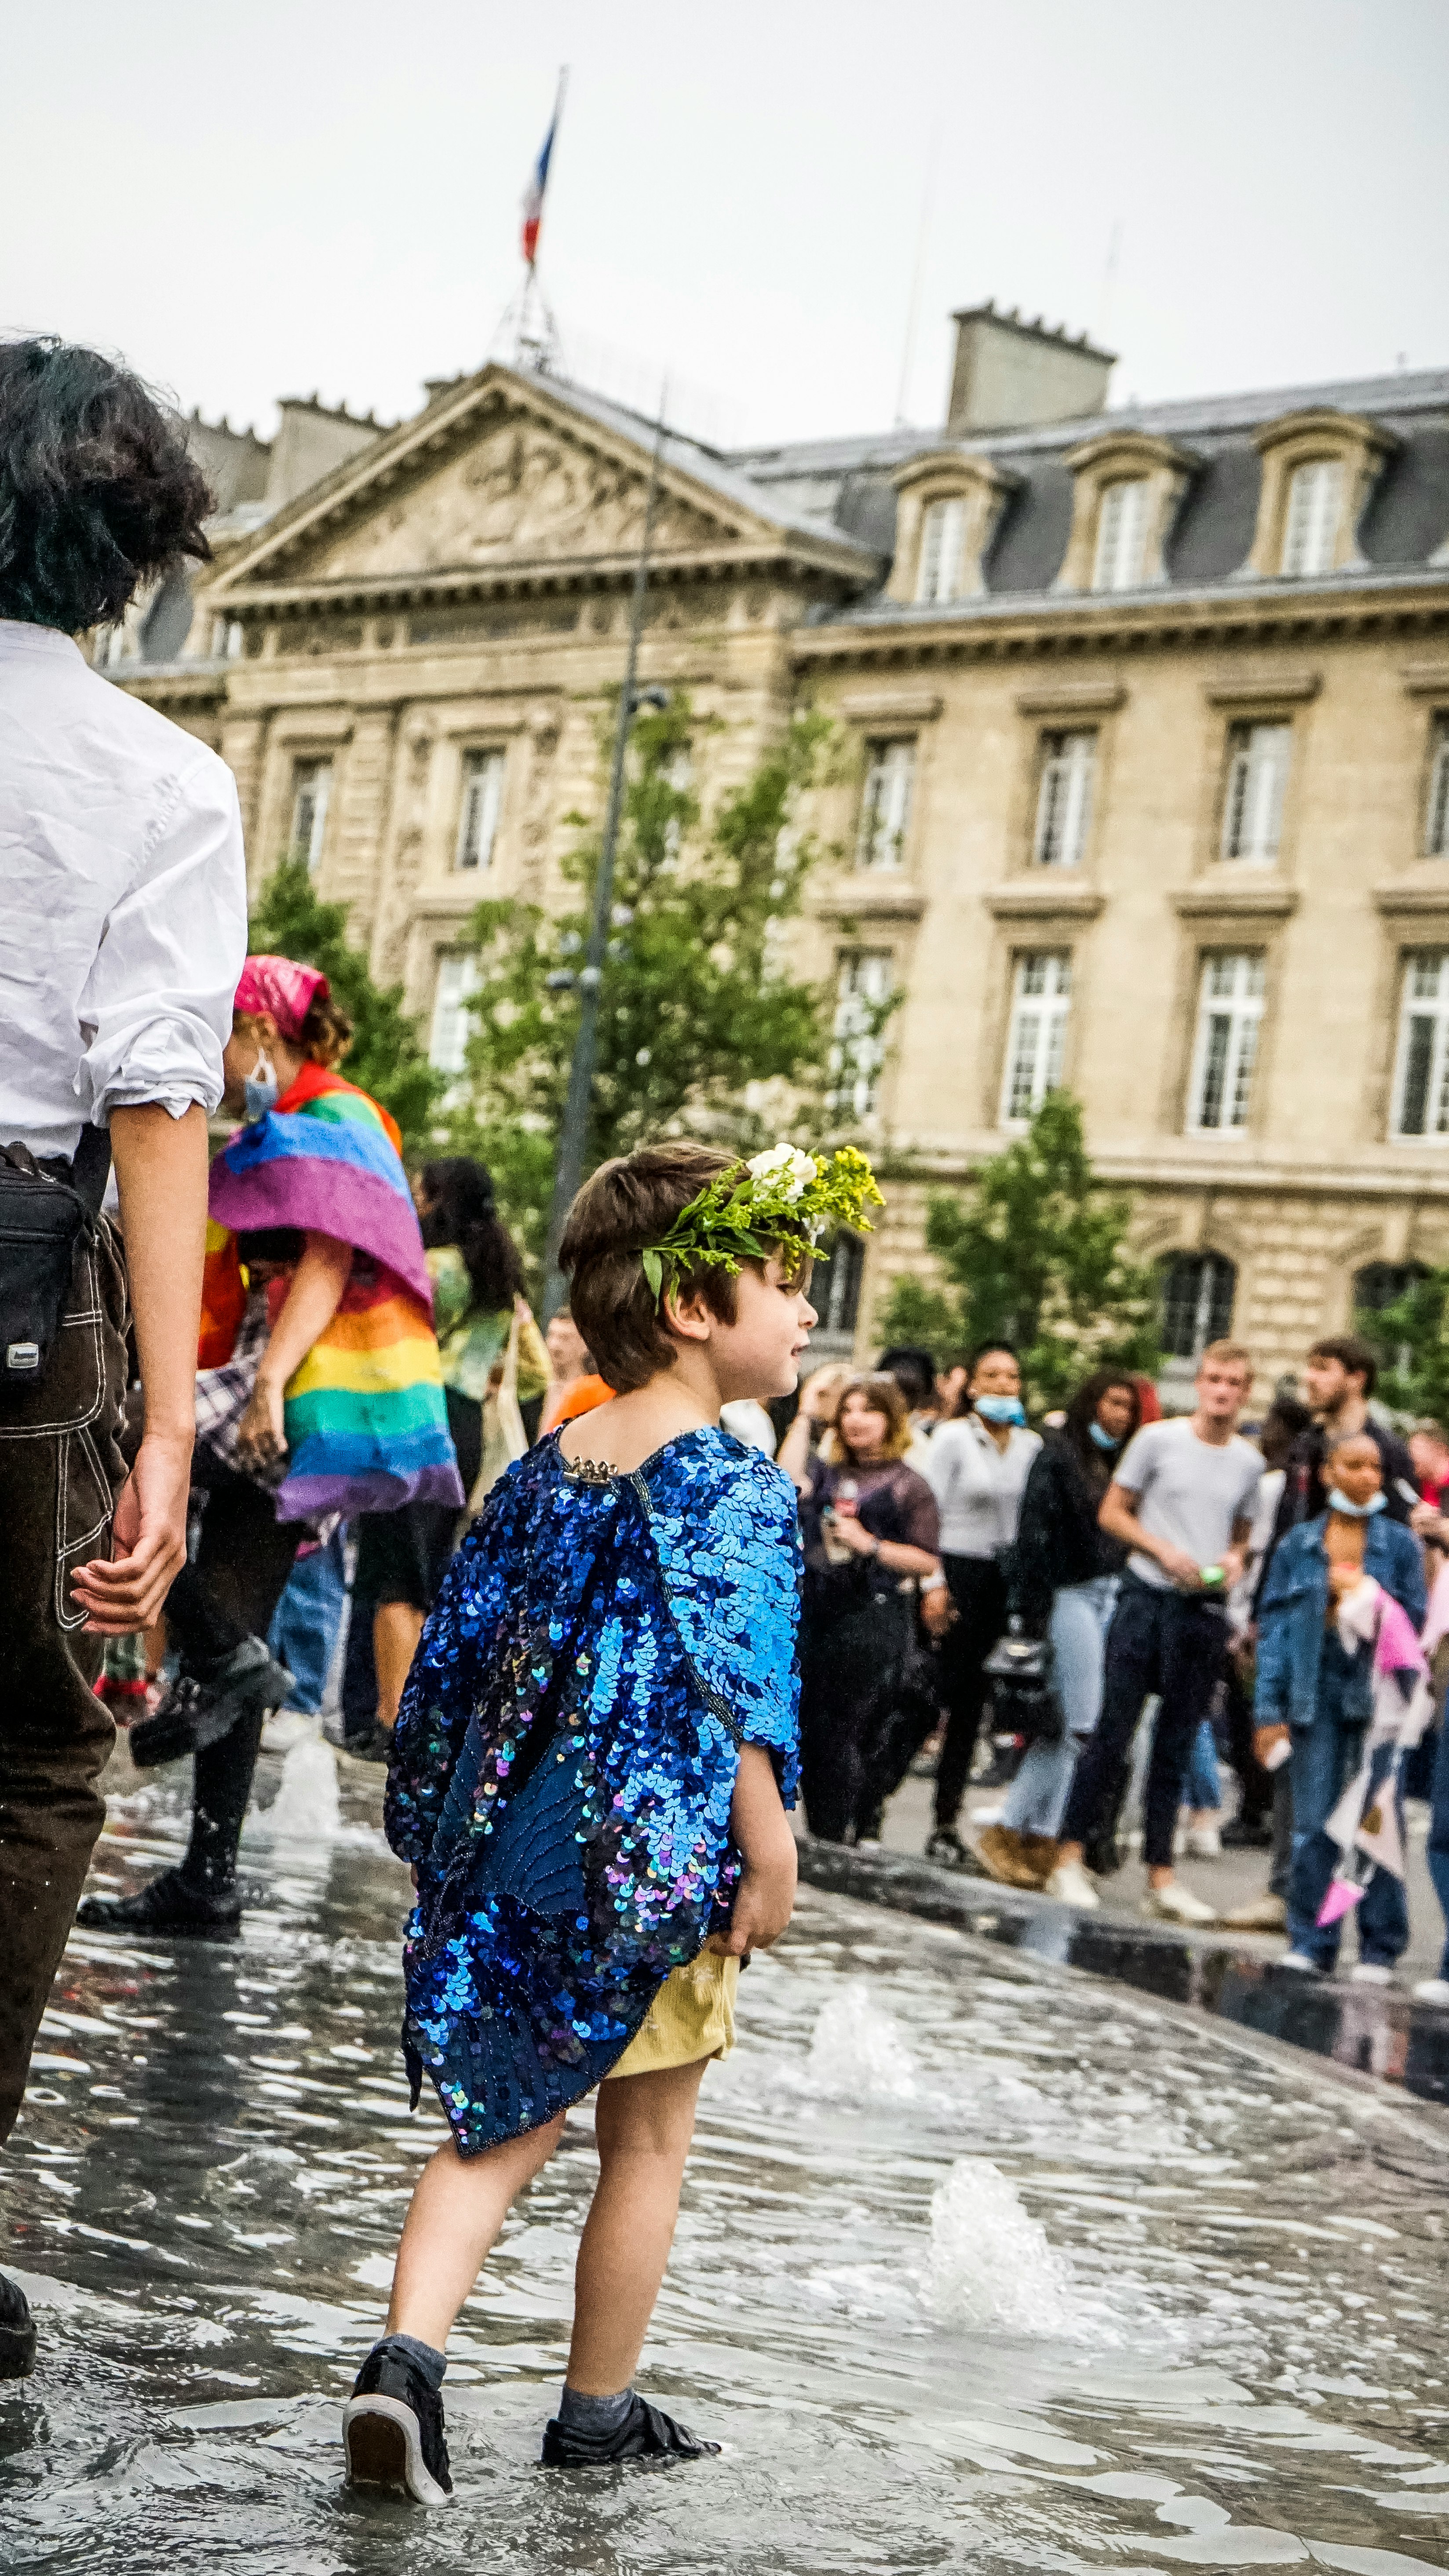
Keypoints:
(1010, 374)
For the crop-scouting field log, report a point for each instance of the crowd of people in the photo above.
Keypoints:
(1270, 1593)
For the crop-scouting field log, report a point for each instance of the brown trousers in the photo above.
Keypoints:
(60, 1472)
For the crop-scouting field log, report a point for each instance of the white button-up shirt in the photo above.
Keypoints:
(122, 900)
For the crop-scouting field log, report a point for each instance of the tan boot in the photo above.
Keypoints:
(1003, 1853)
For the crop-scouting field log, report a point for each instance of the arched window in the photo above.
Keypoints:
(1197, 1302)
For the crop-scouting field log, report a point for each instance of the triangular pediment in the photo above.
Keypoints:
(501, 472)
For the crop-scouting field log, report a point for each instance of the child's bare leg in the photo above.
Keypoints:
(643, 2125)
(457, 2210)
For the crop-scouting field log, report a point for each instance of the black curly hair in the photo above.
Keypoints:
(98, 491)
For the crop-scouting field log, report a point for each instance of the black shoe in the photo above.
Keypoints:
(17, 2331)
(1243, 1836)
(374, 1746)
(167, 1905)
(191, 1715)
(646, 2433)
(392, 2428)
(1103, 1857)
(945, 1845)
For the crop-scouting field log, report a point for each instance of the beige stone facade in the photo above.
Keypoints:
(1147, 786)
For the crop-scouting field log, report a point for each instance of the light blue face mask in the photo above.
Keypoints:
(999, 1408)
(1104, 1439)
(262, 1089)
(1338, 1502)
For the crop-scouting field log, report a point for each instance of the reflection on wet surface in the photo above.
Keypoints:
(980, 2266)
(1371, 2030)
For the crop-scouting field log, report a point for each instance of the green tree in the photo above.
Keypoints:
(386, 1056)
(696, 1004)
(1411, 1341)
(1037, 1255)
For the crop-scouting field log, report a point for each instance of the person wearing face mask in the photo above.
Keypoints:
(1064, 1586)
(320, 1394)
(976, 1466)
(1318, 1619)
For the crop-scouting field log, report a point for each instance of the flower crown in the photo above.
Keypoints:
(745, 1214)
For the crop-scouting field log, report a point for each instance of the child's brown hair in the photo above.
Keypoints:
(627, 1204)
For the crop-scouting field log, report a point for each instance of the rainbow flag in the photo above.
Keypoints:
(366, 1420)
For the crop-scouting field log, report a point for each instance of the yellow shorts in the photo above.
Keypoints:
(692, 2016)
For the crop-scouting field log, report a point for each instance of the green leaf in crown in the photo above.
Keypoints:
(779, 1198)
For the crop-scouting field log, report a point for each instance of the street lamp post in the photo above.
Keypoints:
(573, 1134)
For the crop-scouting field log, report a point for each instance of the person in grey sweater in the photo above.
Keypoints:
(977, 1467)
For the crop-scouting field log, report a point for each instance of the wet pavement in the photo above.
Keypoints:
(983, 2264)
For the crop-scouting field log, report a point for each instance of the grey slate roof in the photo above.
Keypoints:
(845, 483)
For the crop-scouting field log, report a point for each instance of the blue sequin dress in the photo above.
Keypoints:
(565, 1760)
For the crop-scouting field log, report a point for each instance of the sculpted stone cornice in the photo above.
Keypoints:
(521, 578)
(1004, 628)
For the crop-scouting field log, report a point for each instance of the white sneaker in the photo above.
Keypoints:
(289, 1726)
(1432, 1990)
(1370, 1973)
(1177, 1905)
(1070, 1885)
(1204, 1842)
(1299, 1963)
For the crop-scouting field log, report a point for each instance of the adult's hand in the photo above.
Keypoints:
(125, 1591)
(260, 1434)
(938, 1610)
(1180, 1567)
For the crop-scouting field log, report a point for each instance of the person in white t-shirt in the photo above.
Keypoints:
(1182, 1500)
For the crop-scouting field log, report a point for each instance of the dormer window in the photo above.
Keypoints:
(1319, 471)
(1310, 533)
(1121, 530)
(943, 529)
(1125, 496)
(947, 513)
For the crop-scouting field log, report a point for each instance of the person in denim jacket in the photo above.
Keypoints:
(1311, 1688)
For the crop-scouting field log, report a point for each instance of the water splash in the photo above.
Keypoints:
(307, 1806)
(858, 2049)
(990, 2263)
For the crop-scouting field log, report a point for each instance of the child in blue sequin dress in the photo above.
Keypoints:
(593, 1760)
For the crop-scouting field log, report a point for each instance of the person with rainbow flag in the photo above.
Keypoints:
(320, 1394)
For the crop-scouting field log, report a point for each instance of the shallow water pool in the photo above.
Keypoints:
(982, 2265)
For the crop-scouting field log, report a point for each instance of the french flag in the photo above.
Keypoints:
(534, 193)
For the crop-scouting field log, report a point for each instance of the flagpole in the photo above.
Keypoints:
(574, 1131)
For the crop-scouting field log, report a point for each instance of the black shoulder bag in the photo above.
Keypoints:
(48, 1217)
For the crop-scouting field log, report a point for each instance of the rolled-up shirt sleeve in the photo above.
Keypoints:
(157, 1006)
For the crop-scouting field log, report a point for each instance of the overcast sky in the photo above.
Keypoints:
(285, 195)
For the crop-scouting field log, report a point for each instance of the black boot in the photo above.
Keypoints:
(193, 1714)
(17, 2331)
(169, 1906)
(392, 2428)
(646, 2433)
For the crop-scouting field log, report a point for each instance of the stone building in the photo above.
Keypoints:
(1147, 716)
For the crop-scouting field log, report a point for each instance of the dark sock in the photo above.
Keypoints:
(593, 2414)
(424, 2356)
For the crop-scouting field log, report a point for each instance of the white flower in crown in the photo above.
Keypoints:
(787, 1165)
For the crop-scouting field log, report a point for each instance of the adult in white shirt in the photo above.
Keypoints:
(1182, 1500)
(122, 932)
(977, 1468)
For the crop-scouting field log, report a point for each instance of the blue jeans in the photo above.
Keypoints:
(1438, 1854)
(1081, 1616)
(1203, 1786)
(1326, 1756)
(306, 1620)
